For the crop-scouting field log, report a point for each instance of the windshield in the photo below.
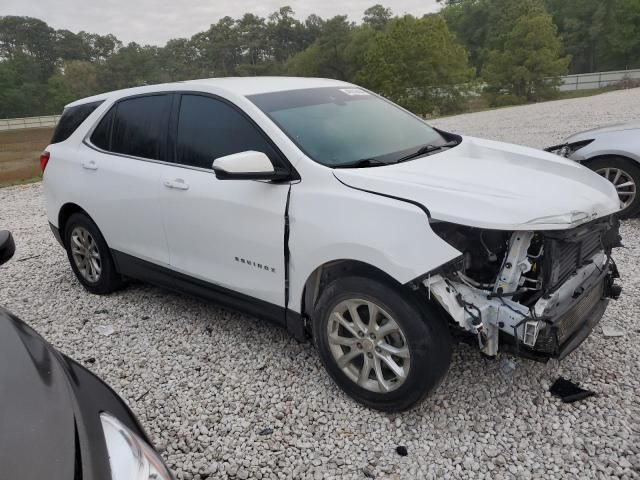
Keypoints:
(342, 126)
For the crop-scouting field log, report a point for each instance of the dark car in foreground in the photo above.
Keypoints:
(57, 419)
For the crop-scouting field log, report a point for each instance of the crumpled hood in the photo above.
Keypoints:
(487, 184)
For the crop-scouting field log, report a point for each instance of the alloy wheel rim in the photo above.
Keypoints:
(624, 183)
(86, 254)
(368, 345)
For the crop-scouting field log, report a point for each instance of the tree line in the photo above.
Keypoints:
(427, 64)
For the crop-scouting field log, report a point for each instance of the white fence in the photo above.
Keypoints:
(588, 81)
(29, 122)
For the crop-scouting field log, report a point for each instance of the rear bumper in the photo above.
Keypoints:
(56, 233)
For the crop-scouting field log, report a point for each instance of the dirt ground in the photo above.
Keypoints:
(20, 154)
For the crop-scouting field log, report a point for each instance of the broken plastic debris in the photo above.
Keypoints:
(402, 451)
(568, 391)
(612, 332)
(105, 330)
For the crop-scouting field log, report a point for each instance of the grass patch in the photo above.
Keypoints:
(20, 154)
(26, 181)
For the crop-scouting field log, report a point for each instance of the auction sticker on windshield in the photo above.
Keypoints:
(353, 91)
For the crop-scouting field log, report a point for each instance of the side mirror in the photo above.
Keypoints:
(7, 246)
(248, 165)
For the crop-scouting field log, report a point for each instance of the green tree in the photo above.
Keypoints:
(583, 26)
(623, 35)
(377, 17)
(21, 95)
(417, 63)
(77, 79)
(326, 57)
(218, 48)
(531, 54)
(481, 25)
(284, 34)
(32, 38)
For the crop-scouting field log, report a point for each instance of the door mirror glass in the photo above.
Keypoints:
(7, 246)
(248, 165)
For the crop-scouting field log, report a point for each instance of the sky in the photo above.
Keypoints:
(156, 21)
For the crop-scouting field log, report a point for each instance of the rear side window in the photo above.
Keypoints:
(136, 126)
(101, 136)
(71, 119)
(209, 128)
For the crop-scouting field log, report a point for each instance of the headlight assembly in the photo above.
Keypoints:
(130, 457)
(570, 218)
(568, 149)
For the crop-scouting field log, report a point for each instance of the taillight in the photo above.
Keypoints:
(44, 159)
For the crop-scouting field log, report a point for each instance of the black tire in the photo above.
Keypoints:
(426, 333)
(630, 168)
(109, 279)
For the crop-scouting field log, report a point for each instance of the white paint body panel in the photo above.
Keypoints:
(330, 221)
(244, 162)
(215, 227)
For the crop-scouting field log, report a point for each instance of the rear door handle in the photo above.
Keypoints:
(177, 184)
(90, 165)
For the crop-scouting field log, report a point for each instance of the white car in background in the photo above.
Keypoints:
(333, 212)
(614, 153)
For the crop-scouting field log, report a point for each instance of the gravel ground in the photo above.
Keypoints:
(223, 395)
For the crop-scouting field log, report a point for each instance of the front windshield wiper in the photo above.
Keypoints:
(426, 149)
(362, 163)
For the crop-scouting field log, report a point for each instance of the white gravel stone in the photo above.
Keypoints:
(205, 381)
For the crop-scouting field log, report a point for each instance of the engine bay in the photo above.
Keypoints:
(522, 284)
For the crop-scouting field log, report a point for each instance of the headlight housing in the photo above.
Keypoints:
(573, 218)
(568, 149)
(130, 457)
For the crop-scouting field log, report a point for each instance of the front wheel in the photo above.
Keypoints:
(382, 346)
(625, 176)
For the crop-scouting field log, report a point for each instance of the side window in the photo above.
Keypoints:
(140, 127)
(71, 119)
(101, 136)
(210, 128)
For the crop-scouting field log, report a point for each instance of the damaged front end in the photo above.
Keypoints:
(535, 293)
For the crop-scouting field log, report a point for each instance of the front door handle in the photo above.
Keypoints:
(90, 165)
(177, 184)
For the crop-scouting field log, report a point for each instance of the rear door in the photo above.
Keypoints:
(120, 176)
(225, 232)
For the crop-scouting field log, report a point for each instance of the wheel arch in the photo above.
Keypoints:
(65, 213)
(329, 271)
(604, 156)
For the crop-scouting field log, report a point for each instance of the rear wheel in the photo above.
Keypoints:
(89, 255)
(381, 346)
(625, 176)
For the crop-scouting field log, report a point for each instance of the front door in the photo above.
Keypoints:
(226, 232)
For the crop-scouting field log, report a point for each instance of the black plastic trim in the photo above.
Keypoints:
(56, 233)
(134, 267)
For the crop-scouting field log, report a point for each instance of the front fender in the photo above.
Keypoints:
(343, 223)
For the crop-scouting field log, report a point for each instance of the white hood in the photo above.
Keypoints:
(487, 184)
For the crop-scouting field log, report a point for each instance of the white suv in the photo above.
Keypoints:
(331, 211)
